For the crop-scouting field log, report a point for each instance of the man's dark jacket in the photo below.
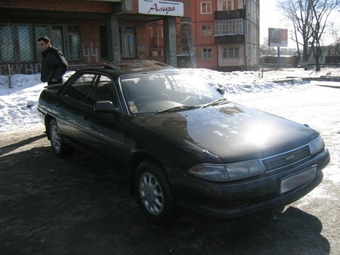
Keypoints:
(53, 65)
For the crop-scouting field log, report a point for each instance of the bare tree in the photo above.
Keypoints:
(265, 50)
(309, 19)
(333, 49)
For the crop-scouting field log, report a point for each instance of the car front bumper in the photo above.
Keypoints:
(226, 200)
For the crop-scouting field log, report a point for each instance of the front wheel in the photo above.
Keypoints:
(59, 148)
(154, 195)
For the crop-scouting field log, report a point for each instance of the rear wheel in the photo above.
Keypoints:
(59, 148)
(154, 195)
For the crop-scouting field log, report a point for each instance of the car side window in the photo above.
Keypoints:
(103, 90)
(80, 88)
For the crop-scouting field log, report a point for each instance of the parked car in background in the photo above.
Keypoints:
(183, 144)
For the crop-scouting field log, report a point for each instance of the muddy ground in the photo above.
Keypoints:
(78, 206)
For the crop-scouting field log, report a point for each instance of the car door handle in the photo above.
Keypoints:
(85, 117)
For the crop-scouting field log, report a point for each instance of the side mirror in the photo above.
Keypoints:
(105, 107)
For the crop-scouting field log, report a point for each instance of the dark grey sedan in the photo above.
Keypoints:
(183, 144)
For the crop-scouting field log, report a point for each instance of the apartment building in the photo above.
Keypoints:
(225, 34)
(221, 35)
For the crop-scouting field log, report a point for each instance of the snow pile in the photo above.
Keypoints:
(18, 105)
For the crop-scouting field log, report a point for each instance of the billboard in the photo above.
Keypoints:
(278, 37)
(159, 7)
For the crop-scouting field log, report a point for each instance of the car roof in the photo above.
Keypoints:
(130, 66)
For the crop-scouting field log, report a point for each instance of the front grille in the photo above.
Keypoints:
(286, 158)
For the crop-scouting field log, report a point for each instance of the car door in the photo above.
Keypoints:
(103, 131)
(72, 106)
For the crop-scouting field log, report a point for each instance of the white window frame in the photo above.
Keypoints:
(207, 53)
(206, 30)
(229, 5)
(230, 26)
(231, 52)
(207, 9)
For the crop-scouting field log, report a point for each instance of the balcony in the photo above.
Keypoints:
(236, 14)
(221, 39)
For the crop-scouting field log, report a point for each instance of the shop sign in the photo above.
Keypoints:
(158, 7)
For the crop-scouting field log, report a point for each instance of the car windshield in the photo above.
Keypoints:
(167, 91)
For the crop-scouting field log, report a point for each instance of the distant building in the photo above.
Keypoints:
(225, 34)
(216, 34)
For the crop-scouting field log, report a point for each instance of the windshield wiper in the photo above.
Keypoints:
(180, 108)
(219, 101)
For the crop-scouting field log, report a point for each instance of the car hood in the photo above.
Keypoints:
(232, 132)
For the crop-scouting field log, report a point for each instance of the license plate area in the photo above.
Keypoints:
(297, 180)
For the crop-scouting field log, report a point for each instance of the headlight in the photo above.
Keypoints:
(316, 145)
(245, 169)
(228, 172)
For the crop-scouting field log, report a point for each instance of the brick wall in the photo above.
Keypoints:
(59, 5)
(89, 29)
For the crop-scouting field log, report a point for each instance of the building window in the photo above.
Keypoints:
(206, 31)
(26, 51)
(205, 7)
(74, 43)
(57, 37)
(38, 32)
(128, 42)
(103, 42)
(18, 43)
(231, 52)
(229, 5)
(6, 45)
(207, 53)
(232, 26)
(186, 36)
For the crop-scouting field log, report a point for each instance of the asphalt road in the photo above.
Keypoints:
(78, 206)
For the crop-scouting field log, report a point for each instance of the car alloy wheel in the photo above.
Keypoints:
(154, 194)
(55, 138)
(151, 193)
(58, 146)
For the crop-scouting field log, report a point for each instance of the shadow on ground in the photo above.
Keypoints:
(78, 206)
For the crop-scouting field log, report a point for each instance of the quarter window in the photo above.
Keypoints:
(102, 90)
(80, 88)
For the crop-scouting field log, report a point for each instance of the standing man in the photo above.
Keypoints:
(54, 64)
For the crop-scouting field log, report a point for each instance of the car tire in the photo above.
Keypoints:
(59, 148)
(154, 195)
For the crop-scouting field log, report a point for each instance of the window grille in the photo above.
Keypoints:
(128, 42)
(232, 26)
(6, 45)
(18, 43)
